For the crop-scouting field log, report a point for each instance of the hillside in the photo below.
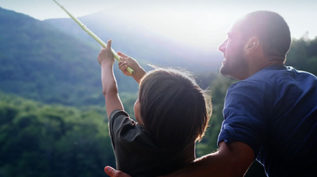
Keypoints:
(39, 62)
(54, 61)
(141, 43)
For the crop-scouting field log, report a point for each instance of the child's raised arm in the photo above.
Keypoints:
(109, 84)
(125, 62)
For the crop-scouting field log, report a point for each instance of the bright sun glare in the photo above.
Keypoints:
(202, 25)
(202, 29)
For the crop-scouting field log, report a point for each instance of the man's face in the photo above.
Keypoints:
(234, 63)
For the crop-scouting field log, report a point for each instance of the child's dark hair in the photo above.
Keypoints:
(173, 108)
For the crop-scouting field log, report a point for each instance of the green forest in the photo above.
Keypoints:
(54, 123)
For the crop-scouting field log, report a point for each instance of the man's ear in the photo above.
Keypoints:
(252, 45)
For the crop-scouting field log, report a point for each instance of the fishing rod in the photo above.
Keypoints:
(92, 34)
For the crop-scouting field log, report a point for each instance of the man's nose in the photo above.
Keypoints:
(222, 47)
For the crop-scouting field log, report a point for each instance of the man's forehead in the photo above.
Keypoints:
(233, 32)
(236, 28)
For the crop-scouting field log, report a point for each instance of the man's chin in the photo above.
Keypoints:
(231, 73)
(224, 70)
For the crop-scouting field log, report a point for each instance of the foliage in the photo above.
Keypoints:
(52, 140)
(303, 55)
(218, 92)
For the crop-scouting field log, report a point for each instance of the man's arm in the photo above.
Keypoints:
(231, 160)
(109, 84)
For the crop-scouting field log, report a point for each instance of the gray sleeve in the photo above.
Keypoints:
(121, 127)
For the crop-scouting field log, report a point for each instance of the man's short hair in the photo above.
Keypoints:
(272, 31)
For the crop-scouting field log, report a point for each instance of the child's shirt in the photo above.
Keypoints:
(136, 153)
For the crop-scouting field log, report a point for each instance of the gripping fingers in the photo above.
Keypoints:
(123, 66)
(122, 55)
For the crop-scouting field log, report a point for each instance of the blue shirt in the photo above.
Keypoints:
(274, 111)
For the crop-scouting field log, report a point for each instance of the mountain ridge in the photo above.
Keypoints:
(135, 40)
(41, 63)
(57, 63)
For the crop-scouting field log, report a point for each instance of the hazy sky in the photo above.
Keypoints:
(202, 23)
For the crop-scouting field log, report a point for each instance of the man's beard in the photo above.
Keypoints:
(235, 67)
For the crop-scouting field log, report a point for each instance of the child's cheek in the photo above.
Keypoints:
(137, 111)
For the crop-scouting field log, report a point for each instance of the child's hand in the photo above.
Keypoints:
(125, 62)
(106, 56)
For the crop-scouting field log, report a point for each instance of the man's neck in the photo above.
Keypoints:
(265, 62)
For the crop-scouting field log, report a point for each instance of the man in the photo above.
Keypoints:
(270, 115)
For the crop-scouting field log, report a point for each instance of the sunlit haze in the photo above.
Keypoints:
(202, 24)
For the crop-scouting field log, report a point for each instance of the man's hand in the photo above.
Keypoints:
(114, 173)
(106, 55)
(125, 62)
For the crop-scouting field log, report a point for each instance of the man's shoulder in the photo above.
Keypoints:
(280, 72)
(254, 84)
(274, 76)
(263, 81)
(270, 73)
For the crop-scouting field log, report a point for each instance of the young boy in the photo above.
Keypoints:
(171, 115)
